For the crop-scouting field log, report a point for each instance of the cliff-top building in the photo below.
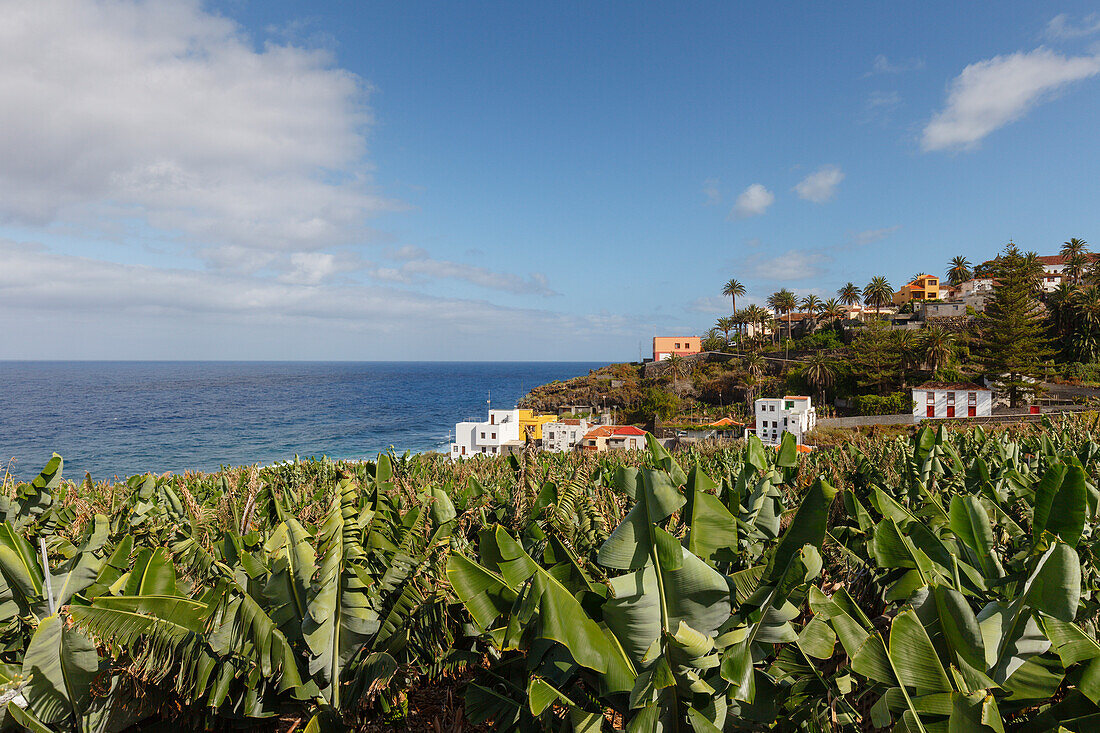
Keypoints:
(666, 346)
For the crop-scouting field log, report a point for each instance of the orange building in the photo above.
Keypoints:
(925, 287)
(666, 346)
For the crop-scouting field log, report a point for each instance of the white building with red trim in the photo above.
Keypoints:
(942, 400)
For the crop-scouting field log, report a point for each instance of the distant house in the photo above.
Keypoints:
(940, 400)
(1053, 265)
(775, 416)
(612, 437)
(666, 346)
(499, 435)
(562, 436)
(925, 287)
(940, 309)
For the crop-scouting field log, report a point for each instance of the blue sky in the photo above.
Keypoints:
(353, 180)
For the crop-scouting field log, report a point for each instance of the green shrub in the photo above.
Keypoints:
(891, 404)
(823, 339)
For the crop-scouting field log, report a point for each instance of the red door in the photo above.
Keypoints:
(971, 411)
(931, 411)
(951, 411)
(951, 404)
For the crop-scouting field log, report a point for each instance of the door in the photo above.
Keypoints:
(930, 402)
(972, 404)
(951, 404)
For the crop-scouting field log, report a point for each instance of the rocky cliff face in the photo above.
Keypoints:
(617, 385)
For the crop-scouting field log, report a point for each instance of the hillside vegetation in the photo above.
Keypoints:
(944, 580)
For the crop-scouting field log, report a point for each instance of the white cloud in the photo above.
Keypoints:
(710, 305)
(882, 100)
(166, 114)
(870, 236)
(310, 268)
(55, 288)
(791, 265)
(992, 93)
(1061, 27)
(883, 65)
(820, 186)
(711, 194)
(753, 201)
(418, 266)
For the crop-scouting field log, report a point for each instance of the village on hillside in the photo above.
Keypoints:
(1005, 340)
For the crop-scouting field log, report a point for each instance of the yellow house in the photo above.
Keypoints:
(925, 287)
(528, 419)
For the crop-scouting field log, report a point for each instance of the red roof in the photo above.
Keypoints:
(954, 386)
(1061, 260)
(571, 421)
(606, 431)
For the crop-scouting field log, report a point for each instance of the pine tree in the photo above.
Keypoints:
(875, 358)
(1012, 345)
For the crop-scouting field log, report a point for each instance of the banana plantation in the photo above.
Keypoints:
(941, 581)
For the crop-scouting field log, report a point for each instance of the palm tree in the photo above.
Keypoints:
(725, 324)
(754, 366)
(740, 320)
(1075, 258)
(820, 372)
(677, 366)
(833, 310)
(757, 316)
(849, 294)
(936, 345)
(733, 289)
(878, 293)
(811, 304)
(786, 301)
(905, 345)
(712, 341)
(958, 270)
(773, 303)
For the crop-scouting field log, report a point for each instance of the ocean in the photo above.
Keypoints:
(116, 419)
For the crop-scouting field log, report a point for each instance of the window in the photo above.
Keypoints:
(492, 420)
(788, 405)
(677, 344)
(972, 398)
(463, 450)
(493, 436)
(549, 436)
(931, 398)
(483, 436)
(951, 398)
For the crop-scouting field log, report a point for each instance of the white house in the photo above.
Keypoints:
(775, 416)
(486, 438)
(564, 435)
(941, 400)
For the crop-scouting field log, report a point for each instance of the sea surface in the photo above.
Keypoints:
(122, 418)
